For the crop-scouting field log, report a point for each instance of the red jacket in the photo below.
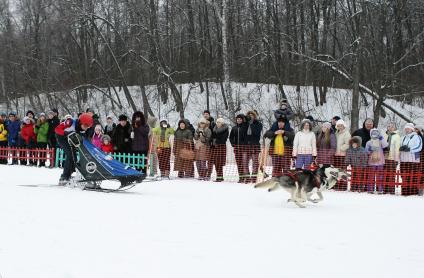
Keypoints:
(107, 148)
(27, 133)
(60, 129)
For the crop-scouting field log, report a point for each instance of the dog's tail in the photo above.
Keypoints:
(268, 183)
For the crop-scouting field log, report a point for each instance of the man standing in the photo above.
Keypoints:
(53, 121)
(364, 132)
(254, 130)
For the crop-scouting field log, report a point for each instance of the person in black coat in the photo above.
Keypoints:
(211, 120)
(364, 132)
(238, 136)
(122, 136)
(280, 162)
(110, 126)
(253, 137)
(220, 135)
(53, 121)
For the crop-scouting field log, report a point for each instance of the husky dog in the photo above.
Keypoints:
(304, 183)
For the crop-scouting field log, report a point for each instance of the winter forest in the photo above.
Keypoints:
(374, 48)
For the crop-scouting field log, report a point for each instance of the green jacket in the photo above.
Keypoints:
(157, 132)
(42, 132)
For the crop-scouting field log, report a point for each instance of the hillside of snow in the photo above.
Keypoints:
(261, 97)
(191, 229)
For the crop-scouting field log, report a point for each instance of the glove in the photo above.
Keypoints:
(380, 138)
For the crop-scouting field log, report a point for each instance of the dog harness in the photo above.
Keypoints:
(294, 176)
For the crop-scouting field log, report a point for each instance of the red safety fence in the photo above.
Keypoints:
(374, 173)
(368, 172)
(23, 156)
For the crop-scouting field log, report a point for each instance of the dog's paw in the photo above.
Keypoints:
(300, 205)
(290, 200)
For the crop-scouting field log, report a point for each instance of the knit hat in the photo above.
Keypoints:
(355, 139)
(326, 125)
(240, 116)
(220, 120)
(410, 126)
(374, 133)
(163, 120)
(341, 122)
(26, 120)
(3, 115)
(67, 117)
(106, 137)
(202, 120)
(86, 119)
(42, 115)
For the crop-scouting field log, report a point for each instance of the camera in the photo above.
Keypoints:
(404, 149)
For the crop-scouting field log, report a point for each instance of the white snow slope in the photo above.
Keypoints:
(187, 229)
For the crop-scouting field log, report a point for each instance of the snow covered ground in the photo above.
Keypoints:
(183, 228)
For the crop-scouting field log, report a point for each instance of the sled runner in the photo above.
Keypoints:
(96, 166)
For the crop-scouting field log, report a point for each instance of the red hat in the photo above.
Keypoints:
(86, 119)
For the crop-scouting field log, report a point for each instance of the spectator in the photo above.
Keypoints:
(97, 136)
(202, 139)
(109, 127)
(183, 150)
(153, 163)
(53, 121)
(3, 140)
(284, 112)
(333, 123)
(342, 138)
(107, 145)
(3, 117)
(392, 138)
(41, 129)
(162, 147)
(31, 115)
(219, 149)
(410, 148)
(238, 137)
(281, 142)
(140, 138)
(253, 136)
(420, 132)
(209, 118)
(374, 148)
(13, 129)
(315, 127)
(28, 140)
(327, 145)
(364, 132)
(304, 145)
(121, 138)
(357, 159)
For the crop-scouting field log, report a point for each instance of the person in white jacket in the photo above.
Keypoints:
(392, 157)
(342, 138)
(411, 145)
(304, 146)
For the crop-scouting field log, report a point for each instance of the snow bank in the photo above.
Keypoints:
(186, 228)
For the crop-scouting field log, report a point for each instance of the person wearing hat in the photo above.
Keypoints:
(109, 127)
(53, 121)
(281, 143)
(375, 149)
(326, 145)
(4, 118)
(202, 141)
(342, 138)
(183, 150)
(253, 137)
(13, 129)
(122, 136)
(28, 139)
(285, 112)
(68, 126)
(304, 146)
(220, 135)
(140, 139)
(238, 136)
(357, 159)
(161, 146)
(107, 145)
(411, 145)
(392, 157)
(41, 129)
(3, 140)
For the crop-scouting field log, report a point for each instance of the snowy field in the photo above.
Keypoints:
(196, 229)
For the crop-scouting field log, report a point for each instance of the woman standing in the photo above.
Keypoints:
(41, 129)
(342, 138)
(161, 135)
(326, 144)
(392, 138)
(183, 150)
(304, 145)
(202, 139)
(219, 149)
(140, 139)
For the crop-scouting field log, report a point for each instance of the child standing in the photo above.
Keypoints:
(97, 136)
(357, 159)
(374, 148)
(304, 145)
